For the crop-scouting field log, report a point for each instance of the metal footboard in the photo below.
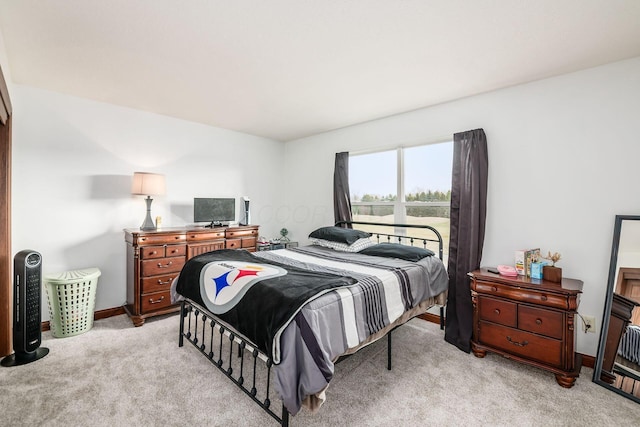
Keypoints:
(218, 344)
(217, 341)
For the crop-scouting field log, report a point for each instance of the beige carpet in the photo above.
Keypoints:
(116, 375)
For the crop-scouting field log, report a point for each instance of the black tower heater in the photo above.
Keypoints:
(27, 285)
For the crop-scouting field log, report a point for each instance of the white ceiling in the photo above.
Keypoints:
(285, 69)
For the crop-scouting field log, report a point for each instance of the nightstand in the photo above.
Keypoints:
(528, 320)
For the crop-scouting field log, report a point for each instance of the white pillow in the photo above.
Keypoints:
(356, 246)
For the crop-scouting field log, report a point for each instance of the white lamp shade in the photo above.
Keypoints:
(148, 184)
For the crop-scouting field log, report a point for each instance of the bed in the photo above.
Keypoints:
(281, 319)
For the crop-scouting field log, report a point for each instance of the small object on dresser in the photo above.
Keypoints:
(537, 270)
(519, 261)
(551, 272)
(523, 260)
(533, 255)
(507, 270)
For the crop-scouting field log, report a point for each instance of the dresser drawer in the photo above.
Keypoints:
(497, 311)
(157, 283)
(155, 267)
(155, 301)
(210, 235)
(241, 233)
(152, 252)
(524, 295)
(540, 321)
(521, 343)
(161, 239)
(233, 244)
(249, 242)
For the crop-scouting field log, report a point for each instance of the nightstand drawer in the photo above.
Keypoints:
(540, 321)
(497, 311)
(524, 295)
(157, 283)
(155, 267)
(524, 344)
(155, 301)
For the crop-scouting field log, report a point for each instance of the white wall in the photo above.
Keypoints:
(4, 62)
(72, 165)
(563, 155)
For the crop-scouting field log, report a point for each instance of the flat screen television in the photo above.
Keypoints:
(215, 211)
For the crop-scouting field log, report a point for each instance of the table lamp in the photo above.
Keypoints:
(148, 184)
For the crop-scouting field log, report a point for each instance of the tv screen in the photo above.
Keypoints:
(214, 210)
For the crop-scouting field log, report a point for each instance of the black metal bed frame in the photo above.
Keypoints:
(404, 240)
(215, 340)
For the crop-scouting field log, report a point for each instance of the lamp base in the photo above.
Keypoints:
(148, 224)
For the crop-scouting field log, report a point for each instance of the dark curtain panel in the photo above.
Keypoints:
(341, 197)
(468, 212)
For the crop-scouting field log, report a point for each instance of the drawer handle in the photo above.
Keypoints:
(165, 266)
(522, 344)
(496, 311)
(543, 297)
(154, 252)
(160, 282)
(538, 321)
(494, 289)
(151, 301)
(174, 251)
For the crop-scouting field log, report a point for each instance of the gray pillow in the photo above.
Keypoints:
(338, 234)
(395, 250)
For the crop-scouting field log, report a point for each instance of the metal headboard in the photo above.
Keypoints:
(398, 238)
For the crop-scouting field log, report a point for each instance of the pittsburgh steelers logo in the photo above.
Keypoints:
(224, 283)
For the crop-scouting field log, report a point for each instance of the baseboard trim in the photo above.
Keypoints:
(100, 314)
(587, 361)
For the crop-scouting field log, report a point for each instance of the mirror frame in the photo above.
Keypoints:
(607, 307)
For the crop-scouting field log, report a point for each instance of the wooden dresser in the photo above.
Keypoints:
(527, 320)
(154, 259)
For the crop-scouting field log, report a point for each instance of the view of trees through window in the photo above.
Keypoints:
(404, 186)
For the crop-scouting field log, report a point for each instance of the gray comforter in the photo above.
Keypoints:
(388, 292)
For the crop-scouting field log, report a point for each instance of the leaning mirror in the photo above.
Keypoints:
(618, 359)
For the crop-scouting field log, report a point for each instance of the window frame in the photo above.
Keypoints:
(400, 204)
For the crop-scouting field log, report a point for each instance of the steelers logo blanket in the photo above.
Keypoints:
(255, 296)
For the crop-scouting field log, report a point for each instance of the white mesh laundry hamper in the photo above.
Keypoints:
(72, 299)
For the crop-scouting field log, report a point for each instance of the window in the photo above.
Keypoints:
(404, 186)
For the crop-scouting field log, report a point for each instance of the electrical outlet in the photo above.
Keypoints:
(589, 324)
